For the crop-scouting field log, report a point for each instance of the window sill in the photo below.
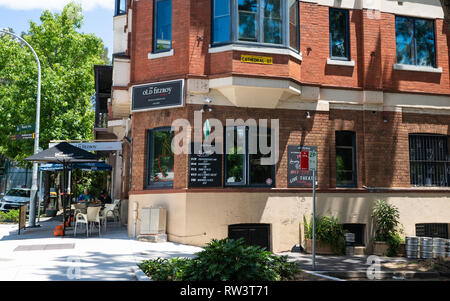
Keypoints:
(404, 67)
(340, 63)
(257, 49)
(158, 55)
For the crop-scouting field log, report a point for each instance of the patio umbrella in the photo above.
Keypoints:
(65, 154)
(99, 166)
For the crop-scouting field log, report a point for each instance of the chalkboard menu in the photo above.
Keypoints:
(298, 177)
(157, 95)
(205, 168)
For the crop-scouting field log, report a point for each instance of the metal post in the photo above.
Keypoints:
(314, 222)
(41, 197)
(32, 218)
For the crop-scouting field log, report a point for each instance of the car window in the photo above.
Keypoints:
(19, 193)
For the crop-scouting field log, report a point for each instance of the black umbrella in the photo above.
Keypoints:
(65, 154)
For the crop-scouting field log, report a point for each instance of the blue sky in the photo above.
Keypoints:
(98, 16)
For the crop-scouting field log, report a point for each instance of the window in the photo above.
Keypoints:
(221, 19)
(429, 160)
(358, 230)
(345, 159)
(121, 7)
(339, 34)
(163, 26)
(270, 22)
(160, 158)
(243, 166)
(415, 41)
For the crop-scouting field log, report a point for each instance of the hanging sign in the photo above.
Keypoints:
(159, 95)
(302, 160)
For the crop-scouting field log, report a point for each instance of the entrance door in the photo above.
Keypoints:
(253, 234)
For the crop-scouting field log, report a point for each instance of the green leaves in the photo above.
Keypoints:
(328, 230)
(67, 59)
(224, 260)
(386, 223)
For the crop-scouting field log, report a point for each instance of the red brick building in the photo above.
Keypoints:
(366, 82)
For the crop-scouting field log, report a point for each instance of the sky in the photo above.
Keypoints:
(98, 16)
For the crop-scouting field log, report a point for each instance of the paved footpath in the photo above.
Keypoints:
(38, 255)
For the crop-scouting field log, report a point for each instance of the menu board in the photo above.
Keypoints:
(299, 170)
(205, 168)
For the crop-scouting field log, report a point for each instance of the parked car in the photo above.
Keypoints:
(15, 198)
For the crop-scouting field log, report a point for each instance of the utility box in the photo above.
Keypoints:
(153, 221)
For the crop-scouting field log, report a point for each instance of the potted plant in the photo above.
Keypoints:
(329, 236)
(388, 240)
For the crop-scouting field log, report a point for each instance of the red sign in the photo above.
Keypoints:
(304, 160)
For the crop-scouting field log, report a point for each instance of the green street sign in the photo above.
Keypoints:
(21, 137)
(25, 127)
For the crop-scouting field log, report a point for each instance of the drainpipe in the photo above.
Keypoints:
(135, 211)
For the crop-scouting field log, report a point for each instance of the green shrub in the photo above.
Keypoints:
(11, 216)
(231, 260)
(328, 231)
(387, 226)
(224, 260)
(164, 269)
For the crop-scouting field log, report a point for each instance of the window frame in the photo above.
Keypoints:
(117, 10)
(354, 160)
(246, 165)
(347, 35)
(414, 44)
(150, 155)
(234, 27)
(422, 162)
(155, 27)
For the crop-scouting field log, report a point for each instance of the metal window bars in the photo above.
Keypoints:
(429, 160)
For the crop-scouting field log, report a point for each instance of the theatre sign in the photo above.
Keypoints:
(159, 95)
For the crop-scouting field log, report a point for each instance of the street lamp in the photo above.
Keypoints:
(36, 136)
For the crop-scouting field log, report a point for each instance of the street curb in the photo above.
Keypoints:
(382, 275)
(140, 276)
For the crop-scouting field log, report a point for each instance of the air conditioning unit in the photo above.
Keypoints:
(153, 221)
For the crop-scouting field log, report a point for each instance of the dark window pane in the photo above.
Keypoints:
(260, 174)
(161, 157)
(424, 35)
(235, 156)
(338, 33)
(429, 160)
(163, 24)
(344, 138)
(345, 159)
(404, 31)
(121, 7)
(247, 19)
(221, 21)
(293, 24)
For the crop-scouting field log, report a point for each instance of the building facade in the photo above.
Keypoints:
(365, 82)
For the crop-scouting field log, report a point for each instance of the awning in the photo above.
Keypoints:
(98, 166)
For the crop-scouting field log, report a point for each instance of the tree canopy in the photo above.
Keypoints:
(67, 59)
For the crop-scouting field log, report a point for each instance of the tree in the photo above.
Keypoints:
(67, 58)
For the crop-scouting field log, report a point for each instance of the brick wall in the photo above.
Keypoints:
(380, 162)
(372, 47)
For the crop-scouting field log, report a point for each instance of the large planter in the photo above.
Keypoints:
(380, 248)
(321, 248)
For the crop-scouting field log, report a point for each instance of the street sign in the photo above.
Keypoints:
(21, 137)
(25, 128)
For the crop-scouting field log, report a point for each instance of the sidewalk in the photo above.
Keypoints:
(37, 255)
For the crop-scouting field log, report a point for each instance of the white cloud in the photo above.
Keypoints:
(54, 4)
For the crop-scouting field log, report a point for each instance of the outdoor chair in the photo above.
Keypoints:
(93, 217)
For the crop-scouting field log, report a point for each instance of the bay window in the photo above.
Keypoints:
(268, 22)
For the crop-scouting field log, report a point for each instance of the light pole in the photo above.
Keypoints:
(32, 220)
